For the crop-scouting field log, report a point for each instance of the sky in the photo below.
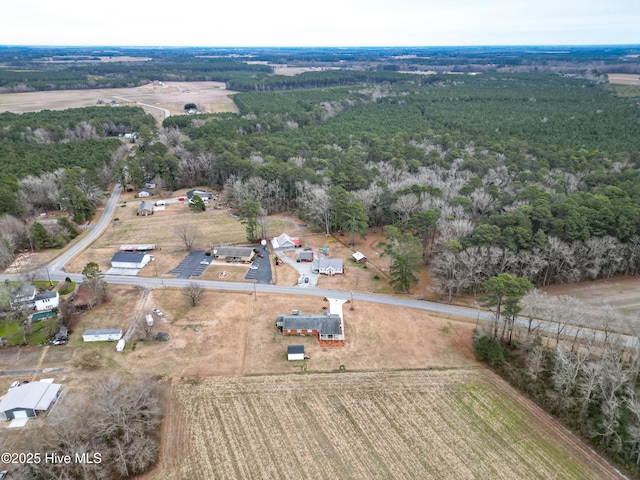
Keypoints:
(327, 23)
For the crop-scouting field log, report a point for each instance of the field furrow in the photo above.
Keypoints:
(449, 424)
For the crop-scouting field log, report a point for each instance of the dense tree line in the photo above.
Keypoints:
(532, 175)
(87, 74)
(590, 384)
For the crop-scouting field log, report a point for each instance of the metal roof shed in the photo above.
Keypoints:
(295, 352)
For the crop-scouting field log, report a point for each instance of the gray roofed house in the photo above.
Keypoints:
(24, 401)
(145, 208)
(144, 193)
(233, 254)
(326, 326)
(24, 294)
(328, 266)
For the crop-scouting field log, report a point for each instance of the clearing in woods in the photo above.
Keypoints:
(444, 424)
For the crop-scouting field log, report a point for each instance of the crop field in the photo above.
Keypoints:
(462, 423)
(211, 97)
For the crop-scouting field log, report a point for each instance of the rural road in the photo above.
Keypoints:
(56, 272)
(167, 113)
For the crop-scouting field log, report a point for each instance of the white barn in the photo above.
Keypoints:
(46, 301)
(26, 400)
(102, 335)
(130, 260)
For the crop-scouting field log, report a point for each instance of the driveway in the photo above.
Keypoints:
(304, 271)
(192, 265)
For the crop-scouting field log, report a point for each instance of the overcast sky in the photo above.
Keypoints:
(319, 23)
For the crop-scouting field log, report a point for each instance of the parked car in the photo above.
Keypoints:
(181, 199)
(14, 385)
(260, 255)
(3, 474)
(306, 279)
(157, 311)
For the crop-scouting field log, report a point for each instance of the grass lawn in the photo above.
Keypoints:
(39, 332)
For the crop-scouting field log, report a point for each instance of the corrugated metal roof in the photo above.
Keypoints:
(143, 247)
(292, 349)
(34, 396)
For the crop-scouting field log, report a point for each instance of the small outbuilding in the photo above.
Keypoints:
(28, 399)
(295, 352)
(102, 335)
(359, 257)
(305, 256)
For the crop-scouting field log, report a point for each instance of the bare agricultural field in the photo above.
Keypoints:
(620, 292)
(624, 78)
(211, 97)
(448, 424)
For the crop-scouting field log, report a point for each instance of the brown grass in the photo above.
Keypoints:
(624, 78)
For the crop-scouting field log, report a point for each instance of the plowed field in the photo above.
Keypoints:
(445, 424)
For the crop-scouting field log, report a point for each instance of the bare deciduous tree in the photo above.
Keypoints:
(122, 431)
(188, 235)
(194, 293)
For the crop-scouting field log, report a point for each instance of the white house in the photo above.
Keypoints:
(295, 352)
(144, 193)
(24, 295)
(329, 266)
(102, 335)
(130, 260)
(26, 400)
(46, 301)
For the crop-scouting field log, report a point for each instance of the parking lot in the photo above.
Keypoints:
(193, 265)
(262, 271)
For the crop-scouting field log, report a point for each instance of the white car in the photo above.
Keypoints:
(157, 312)
(14, 385)
(253, 267)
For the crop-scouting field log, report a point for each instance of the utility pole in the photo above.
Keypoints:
(255, 294)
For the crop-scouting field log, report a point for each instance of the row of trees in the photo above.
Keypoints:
(571, 359)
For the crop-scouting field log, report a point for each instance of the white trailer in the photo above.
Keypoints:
(102, 335)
